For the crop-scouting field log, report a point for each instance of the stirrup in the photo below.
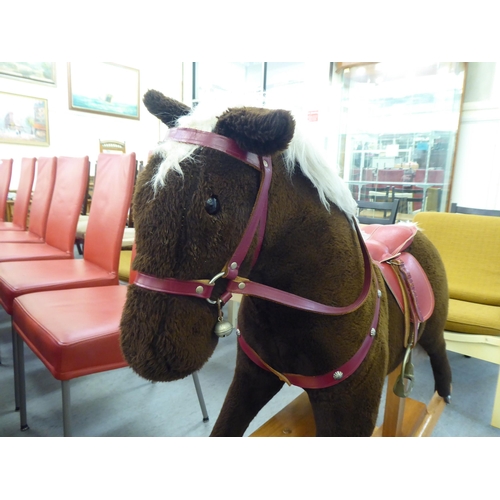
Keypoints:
(407, 373)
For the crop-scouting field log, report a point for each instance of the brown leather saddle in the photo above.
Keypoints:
(406, 280)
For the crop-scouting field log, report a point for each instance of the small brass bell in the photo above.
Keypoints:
(222, 328)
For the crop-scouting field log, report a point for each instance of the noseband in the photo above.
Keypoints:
(237, 284)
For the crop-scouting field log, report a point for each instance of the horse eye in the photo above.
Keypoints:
(212, 206)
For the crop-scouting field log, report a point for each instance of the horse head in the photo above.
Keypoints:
(191, 207)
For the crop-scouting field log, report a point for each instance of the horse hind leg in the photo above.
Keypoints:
(432, 341)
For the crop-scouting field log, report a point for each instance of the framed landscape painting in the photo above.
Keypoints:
(105, 88)
(24, 120)
(43, 72)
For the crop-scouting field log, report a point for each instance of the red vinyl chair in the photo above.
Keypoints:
(5, 176)
(66, 197)
(40, 204)
(99, 266)
(74, 333)
(65, 204)
(23, 197)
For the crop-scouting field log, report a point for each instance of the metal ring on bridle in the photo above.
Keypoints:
(211, 282)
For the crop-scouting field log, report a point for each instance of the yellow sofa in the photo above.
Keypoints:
(469, 246)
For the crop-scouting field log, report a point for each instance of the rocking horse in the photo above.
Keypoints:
(242, 203)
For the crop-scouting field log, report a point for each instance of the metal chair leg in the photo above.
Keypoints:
(196, 381)
(21, 379)
(66, 407)
(15, 363)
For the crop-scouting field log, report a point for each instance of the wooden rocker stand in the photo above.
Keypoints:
(403, 417)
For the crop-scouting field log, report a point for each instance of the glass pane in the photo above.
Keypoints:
(217, 78)
(298, 86)
(398, 132)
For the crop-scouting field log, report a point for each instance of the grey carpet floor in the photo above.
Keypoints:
(120, 403)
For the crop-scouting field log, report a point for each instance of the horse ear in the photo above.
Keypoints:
(260, 131)
(166, 109)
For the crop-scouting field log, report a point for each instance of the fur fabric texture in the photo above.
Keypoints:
(309, 249)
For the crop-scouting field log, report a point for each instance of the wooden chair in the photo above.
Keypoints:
(455, 209)
(23, 197)
(74, 333)
(40, 204)
(433, 197)
(408, 197)
(403, 417)
(111, 146)
(388, 210)
(5, 177)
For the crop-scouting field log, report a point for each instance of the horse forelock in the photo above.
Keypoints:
(301, 151)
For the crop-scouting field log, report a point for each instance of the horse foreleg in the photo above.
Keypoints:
(251, 389)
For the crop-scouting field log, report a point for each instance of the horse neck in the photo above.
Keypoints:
(308, 250)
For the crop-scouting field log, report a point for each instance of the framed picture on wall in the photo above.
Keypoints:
(24, 120)
(105, 88)
(41, 72)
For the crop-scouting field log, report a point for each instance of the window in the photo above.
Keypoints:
(399, 126)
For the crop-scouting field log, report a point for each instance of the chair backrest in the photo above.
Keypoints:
(67, 198)
(384, 212)
(468, 245)
(455, 209)
(42, 195)
(433, 197)
(5, 176)
(114, 185)
(23, 194)
(106, 146)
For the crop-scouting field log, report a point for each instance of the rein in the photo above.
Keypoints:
(236, 284)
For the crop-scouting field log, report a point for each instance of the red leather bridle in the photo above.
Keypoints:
(238, 284)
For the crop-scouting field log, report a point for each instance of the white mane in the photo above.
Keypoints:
(301, 151)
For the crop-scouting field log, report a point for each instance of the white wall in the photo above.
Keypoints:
(476, 181)
(77, 133)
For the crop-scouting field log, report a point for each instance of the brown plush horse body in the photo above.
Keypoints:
(192, 206)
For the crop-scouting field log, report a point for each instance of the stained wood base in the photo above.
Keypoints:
(402, 417)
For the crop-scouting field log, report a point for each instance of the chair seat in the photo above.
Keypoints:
(470, 317)
(18, 278)
(38, 251)
(19, 237)
(10, 226)
(70, 341)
